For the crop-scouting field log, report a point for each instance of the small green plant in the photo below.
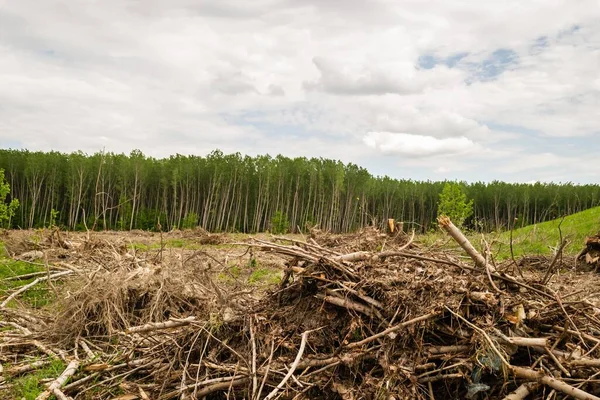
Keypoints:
(252, 263)
(190, 221)
(7, 211)
(279, 223)
(53, 218)
(453, 204)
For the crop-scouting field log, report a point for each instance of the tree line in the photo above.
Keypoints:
(232, 192)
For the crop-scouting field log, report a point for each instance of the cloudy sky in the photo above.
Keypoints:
(423, 89)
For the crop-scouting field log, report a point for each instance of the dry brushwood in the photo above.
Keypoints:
(347, 321)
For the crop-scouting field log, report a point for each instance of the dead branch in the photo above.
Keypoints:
(530, 374)
(463, 242)
(522, 391)
(293, 367)
(152, 326)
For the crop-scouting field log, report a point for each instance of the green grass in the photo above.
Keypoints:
(265, 275)
(544, 238)
(29, 386)
(537, 239)
(37, 296)
(252, 273)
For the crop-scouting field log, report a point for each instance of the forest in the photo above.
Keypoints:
(237, 193)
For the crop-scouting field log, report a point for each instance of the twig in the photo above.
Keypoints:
(487, 267)
(266, 374)
(292, 367)
(221, 386)
(393, 329)
(346, 303)
(172, 323)
(522, 391)
(483, 333)
(550, 270)
(447, 349)
(14, 371)
(254, 378)
(512, 254)
(441, 377)
(530, 374)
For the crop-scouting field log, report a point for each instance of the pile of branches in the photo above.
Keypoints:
(394, 324)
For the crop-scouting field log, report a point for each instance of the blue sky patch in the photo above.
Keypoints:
(498, 62)
(429, 61)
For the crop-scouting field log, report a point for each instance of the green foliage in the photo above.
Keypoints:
(190, 221)
(7, 211)
(453, 204)
(252, 263)
(53, 218)
(279, 223)
(236, 193)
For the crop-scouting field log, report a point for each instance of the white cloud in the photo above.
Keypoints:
(400, 78)
(309, 78)
(437, 124)
(417, 145)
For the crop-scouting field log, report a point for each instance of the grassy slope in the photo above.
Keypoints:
(538, 239)
(544, 237)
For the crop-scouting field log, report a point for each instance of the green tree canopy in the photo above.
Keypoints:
(453, 204)
(6, 210)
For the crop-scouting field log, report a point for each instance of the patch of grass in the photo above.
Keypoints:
(231, 274)
(175, 243)
(29, 386)
(265, 275)
(10, 268)
(38, 296)
(139, 246)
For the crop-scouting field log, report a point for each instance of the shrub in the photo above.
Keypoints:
(453, 204)
(279, 223)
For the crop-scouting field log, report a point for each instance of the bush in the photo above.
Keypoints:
(6, 210)
(190, 221)
(453, 204)
(279, 223)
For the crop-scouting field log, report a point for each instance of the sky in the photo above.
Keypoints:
(417, 89)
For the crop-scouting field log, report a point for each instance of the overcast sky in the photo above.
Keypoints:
(470, 90)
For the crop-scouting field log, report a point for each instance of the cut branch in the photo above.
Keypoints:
(152, 326)
(60, 381)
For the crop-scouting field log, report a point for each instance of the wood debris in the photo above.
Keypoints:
(380, 318)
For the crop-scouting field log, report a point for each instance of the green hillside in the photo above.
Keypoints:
(542, 238)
